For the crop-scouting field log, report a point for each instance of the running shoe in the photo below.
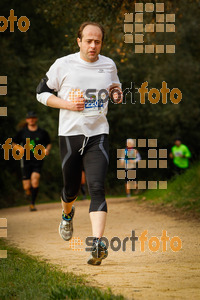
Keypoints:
(32, 207)
(66, 225)
(99, 252)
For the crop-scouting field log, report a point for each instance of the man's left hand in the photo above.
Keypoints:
(116, 94)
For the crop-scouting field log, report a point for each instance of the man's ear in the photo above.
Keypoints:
(78, 41)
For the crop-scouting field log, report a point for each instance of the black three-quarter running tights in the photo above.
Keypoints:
(92, 154)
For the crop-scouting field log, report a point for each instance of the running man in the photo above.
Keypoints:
(83, 127)
(31, 169)
(180, 155)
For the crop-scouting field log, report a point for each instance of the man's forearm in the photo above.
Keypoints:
(51, 100)
(56, 102)
(48, 148)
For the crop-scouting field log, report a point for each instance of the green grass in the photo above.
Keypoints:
(25, 277)
(183, 191)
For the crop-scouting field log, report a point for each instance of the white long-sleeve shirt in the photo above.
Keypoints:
(70, 76)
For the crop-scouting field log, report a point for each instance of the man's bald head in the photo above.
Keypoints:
(83, 25)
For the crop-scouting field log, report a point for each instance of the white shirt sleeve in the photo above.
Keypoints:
(114, 76)
(43, 97)
(55, 77)
(138, 156)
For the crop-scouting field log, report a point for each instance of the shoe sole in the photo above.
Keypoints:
(96, 261)
(62, 236)
(72, 229)
(33, 209)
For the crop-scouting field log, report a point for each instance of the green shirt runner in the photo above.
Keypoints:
(178, 152)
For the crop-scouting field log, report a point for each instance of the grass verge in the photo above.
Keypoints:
(183, 191)
(26, 277)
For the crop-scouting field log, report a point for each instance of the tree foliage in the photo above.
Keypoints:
(25, 58)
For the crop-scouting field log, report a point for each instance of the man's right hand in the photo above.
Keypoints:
(77, 105)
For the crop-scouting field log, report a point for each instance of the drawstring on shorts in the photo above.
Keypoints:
(85, 141)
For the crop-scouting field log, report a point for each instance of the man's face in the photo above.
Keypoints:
(177, 143)
(130, 144)
(31, 121)
(90, 44)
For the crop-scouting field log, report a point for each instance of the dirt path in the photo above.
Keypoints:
(135, 274)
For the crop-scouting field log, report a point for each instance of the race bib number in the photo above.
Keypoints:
(93, 105)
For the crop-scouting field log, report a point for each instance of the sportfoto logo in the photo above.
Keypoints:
(3, 92)
(18, 150)
(134, 32)
(127, 166)
(3, 234)
(152, 244)
(153, 95)
(23, 22)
